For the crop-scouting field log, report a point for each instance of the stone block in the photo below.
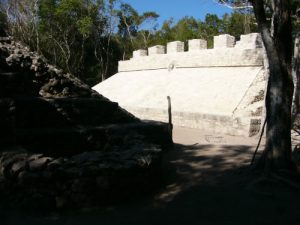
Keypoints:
(224, 41)
(139, 53)
(250, 41)
(197, 44)
(175, 46)
(157, 49)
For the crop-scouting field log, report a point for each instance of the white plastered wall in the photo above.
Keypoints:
(212, 89)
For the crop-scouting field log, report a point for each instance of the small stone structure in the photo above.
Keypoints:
(219, 90)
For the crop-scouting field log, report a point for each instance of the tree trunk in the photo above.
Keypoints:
(296, 78)
(278, 109)
(278, 44)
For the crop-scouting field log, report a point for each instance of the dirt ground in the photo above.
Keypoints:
(207, 180)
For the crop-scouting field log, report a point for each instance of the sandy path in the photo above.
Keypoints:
(189, 136)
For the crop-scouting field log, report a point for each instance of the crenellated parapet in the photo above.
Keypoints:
(226, 52)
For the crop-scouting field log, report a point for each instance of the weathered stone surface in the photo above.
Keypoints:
(88, 178)
(81, 149)
(45, 80)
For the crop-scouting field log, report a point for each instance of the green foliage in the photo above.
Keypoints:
(68, 8)
(211, 27)
(186, 29)
(129, 20)
(190, 28)
(84, 25)
(71, 29)
(130, 28)
(88, 38)
(239, 23)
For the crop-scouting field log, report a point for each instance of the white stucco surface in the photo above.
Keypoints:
(201, 90)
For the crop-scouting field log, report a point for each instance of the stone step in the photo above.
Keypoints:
(64, 112)
(69, 141)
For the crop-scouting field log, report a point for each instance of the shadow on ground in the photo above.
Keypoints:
(202, 184)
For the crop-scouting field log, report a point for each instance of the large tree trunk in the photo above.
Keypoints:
(278, 44)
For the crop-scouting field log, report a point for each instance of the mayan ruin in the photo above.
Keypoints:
(219, 89)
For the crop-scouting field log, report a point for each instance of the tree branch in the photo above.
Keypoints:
(224, 3)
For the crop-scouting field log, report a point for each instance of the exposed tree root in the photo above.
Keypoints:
(258, 144)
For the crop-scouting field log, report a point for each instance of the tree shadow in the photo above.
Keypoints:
(202, 184)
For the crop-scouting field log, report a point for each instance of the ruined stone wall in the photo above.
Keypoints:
(62, 145)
